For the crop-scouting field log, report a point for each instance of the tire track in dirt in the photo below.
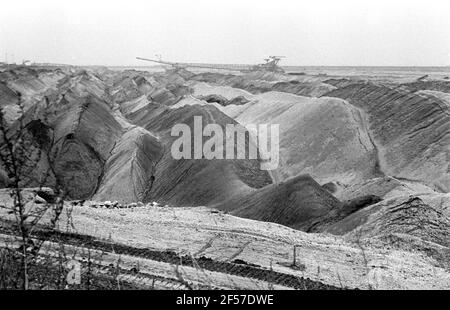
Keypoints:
(238, 269)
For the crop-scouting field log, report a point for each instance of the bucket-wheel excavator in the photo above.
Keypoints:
(270, 65)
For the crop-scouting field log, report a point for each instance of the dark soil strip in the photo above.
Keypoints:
(243, 270)
(50, 275)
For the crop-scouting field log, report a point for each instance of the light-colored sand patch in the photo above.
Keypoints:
(438, 94)
(204, 89)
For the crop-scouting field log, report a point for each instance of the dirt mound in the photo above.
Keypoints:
(32, 165)
(124, 88)
(97, 144)
(35, 83)
(85, 136)
(296, 203)
(7, 95)
(28, 83)
(385, 187)
(228, 92)
(134, 105)
(188, 182)
(266, 76)
(259, 82)
(309, 89)
(214, 98)
(240, 100)
(338, 149)
(414, 223)
(411, 132)
(83, 84)
(339, 83)
(445, 97)
(128, 172)
(442, 86)
(69, 135)
(164, 96)
(166, 89)
(8, 103)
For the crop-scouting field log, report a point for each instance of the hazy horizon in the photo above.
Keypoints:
(326, 33)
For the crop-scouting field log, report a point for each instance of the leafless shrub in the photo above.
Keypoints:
(181, 278)
(18, 156)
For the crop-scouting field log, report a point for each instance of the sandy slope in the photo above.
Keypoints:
(411, 131)
(296, 203)
(129, 169)
(326, 138)
(376, 131)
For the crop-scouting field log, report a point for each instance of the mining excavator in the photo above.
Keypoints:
(270, 65)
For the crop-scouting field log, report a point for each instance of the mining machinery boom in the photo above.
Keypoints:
(270, 64)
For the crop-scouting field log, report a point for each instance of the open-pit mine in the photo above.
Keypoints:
(360, 198)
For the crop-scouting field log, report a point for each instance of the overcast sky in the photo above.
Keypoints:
(315, 32)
